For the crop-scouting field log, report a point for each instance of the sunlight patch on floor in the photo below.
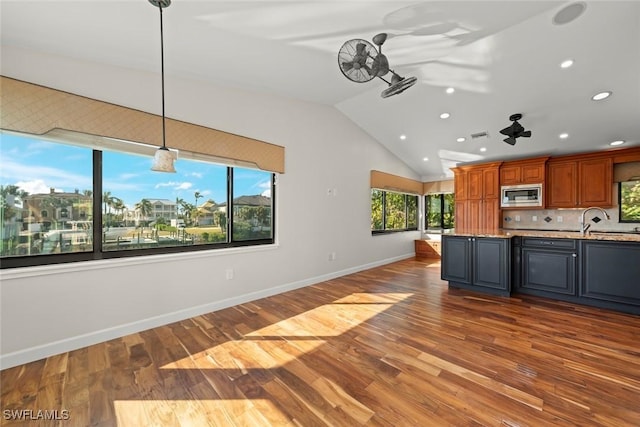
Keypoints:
(282, 342)
(198, 412)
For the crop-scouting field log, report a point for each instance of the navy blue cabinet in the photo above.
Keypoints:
(477, 263)
(610, 273)
(549, 266)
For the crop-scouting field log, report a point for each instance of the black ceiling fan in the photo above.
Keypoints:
(515, 131)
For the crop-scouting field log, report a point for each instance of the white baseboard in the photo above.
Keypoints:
(73, 343)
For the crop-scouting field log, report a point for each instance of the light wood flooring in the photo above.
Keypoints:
(390, 346)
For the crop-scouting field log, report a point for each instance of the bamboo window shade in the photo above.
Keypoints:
(387, 181)
(35, 109)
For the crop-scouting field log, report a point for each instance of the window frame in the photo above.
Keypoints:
(620, 220)
(385, 230)
(97, 253)
(442, 210)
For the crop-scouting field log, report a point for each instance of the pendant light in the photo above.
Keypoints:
(163, 159)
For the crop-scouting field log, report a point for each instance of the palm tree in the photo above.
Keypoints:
(107, 200)
(179, 204)
(197, 196)
(145, 207)
(119, 206)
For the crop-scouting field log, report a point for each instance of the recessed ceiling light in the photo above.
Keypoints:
(602, 95)
(403, 137)
(445, 115)
(563, 135)
(461, 139)
(483, 149)
(619, 142)
(425, 159)
(450, 90)
(566, 63)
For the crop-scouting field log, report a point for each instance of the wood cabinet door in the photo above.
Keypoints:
(461, 224)
(475, 179)
(490, 214)
(510, 175)
(460, 185)
(491, 184)
(595, 182)
(474, 215)
(561, 185)
(532, 174)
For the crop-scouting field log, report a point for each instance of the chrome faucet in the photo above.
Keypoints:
(584, 227)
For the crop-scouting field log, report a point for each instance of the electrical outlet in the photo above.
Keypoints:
(329, 192)
(534, 218)
(517, 218)
(332, 256)
(559, 218)
(229, 273)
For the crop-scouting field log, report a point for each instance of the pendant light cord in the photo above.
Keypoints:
(164, 132)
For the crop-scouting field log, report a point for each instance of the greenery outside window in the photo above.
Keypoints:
(393, 211)
(64, 201)
(439, 209)
(629, 196)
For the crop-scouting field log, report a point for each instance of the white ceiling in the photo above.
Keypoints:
(502, 57)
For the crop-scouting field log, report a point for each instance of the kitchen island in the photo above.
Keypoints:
(600, 269)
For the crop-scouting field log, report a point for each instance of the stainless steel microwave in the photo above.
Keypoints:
(521, 196)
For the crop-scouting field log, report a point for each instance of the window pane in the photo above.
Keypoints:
(412, 212)
(448, 216)
(46, 196)
(145, 209)
(434, 210)
(630, 201)
(252, 207)
(395, 213)
(376, 210)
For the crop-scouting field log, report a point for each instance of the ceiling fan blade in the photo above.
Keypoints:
(507, 131)
(347, 66)
(526, 134)
(511, 140)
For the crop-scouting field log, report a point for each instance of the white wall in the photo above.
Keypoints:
(51, 309)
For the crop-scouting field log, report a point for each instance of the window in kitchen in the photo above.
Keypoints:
(439, 211)
(63, 201)
(392, 211)
(629, 196)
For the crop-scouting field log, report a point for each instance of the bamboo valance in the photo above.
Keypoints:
(387, 181)
(35, 109)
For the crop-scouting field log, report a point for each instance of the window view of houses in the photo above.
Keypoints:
(48, 201)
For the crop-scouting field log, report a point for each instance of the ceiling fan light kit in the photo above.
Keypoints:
(360, 62)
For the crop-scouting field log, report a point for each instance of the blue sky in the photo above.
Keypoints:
(37, 165)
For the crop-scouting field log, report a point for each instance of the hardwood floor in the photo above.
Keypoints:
(391, 346)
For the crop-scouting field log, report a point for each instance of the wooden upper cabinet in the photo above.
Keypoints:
(491, 183)
(580, 183)
(561, 185)
(595, 182)
(529, 171)
(475, 180)
(460, 184)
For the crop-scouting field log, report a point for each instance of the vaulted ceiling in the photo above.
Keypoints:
(500, 58)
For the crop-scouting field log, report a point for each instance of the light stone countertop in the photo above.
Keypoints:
(508, 233)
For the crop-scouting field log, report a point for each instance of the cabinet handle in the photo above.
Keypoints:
(574, 255)
(469, 238)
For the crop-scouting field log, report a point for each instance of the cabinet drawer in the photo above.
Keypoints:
(559, 244)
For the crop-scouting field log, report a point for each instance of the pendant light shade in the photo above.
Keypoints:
(163, 159)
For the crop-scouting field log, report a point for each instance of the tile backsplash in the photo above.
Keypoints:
(563, 219)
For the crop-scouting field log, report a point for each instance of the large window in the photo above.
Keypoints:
(391, 211)
(439, 211)
(630, 201)
(65, 202)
